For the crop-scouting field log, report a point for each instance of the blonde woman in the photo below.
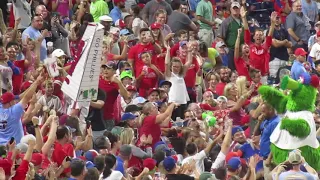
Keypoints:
(235, 102)
(241, 84)
(127, 137)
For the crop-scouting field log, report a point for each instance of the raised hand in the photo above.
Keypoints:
(273, 17)
(35, 121)
(243, 12)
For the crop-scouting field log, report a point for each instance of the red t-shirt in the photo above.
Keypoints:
(174, 49)
(17, 79)
(191, 74)
(259, 55)
(60, 152)
(242, 67)
(135, 54)
(149, 127)
(22, 171)
(160, 63)
(220, 88)
(112, 91)
(147, 82)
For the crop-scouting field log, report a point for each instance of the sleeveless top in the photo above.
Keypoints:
(178, 91)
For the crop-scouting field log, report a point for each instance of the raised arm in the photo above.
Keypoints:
(167, 72)
(161, 117)
(31, 90)
(243, 14)
(189, 59)
(237, 45)
(52, 135)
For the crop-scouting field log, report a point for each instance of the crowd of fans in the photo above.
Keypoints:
(165, 65)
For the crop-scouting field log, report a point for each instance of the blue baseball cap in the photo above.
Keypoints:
(164, 82)
(89, 165)
(128, 116)
(169, 163)
(234, 163)
(182, 43)
(236, 129)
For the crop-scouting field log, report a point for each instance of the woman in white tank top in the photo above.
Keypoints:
(175, 72)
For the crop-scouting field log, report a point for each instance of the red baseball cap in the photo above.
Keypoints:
(131, 88)
(300, 52)
(117, 1)
(149, 163)
(36, 159)
(153, 90)
(155, 26)
(120, 23)
(7, 97)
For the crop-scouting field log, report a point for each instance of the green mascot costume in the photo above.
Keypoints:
(297, 129)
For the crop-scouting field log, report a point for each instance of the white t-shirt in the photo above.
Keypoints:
(199, 157)
(83, 107)
(6, 75)
(315, 51)
(115, 175)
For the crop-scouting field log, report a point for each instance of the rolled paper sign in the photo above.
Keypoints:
(209, 118)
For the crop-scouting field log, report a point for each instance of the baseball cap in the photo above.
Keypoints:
(126, 74)
(23, 147)
(7, 97)
(90, 155)
(169, 163)
(182, 43)
(131, 88)
(124, 32)
(110, 65)
(105, 18)
(236, 129)
(149, 163)
(153, 90)
(235, 4)
(164, 82)
(207, 176)
(36, 159)
(117, 130)
(234, 163)
(90, 164)
(132, 108)
(220, 44)
(128, 116)
(139, 100)
(58, 53)
(114, 30)
(155, 26)
(117, 1)
(125, 150)
(120, 23)
(300, 52)
(295, 157)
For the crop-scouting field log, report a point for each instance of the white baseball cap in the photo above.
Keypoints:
(105, 18)
(58, 53)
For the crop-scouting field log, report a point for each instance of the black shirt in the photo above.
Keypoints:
(279, 52)
(96, 115)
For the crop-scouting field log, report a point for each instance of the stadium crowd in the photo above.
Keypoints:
(178, 90)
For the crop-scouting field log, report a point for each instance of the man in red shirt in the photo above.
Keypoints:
(146, 44)
(224, 74)
(259, 50)
(111, 85)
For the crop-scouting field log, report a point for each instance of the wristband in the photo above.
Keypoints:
(36, 126)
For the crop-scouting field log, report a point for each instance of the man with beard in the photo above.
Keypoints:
(224, 74)
(116, 13)
(259, 54)
(278, 52)
(238, 138)
(229, 31)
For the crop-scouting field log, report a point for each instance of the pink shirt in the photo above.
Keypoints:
(63, 7)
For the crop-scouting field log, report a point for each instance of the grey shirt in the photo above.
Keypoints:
(178, 20)
(151, 8)
(300, 25)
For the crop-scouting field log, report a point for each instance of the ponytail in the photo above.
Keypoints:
(110, 161)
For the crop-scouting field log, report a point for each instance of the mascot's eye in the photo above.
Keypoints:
(301, 79)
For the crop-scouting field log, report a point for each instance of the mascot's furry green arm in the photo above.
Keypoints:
(297, 129)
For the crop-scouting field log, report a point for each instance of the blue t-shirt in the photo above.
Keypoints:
(297, 70)
(119, 166)
(34, 34)
(248, 151)
(115, 14)
(266, 128)
(10, 123)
